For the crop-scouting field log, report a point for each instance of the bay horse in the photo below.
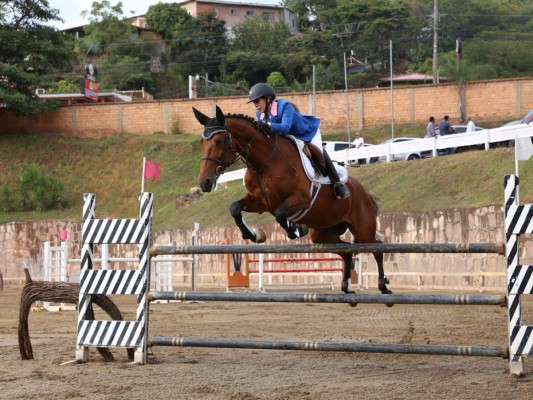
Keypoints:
(276, 182)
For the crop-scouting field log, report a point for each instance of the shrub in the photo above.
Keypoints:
(39, 192)
(7, 203)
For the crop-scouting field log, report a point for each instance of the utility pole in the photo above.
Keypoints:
(435, 42)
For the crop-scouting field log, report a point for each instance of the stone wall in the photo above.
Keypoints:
(21, 243)
(487, 100)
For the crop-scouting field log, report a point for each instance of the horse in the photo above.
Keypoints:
(276, 182)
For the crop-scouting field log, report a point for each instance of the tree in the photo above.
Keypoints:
(168, 19)
(203, 44)
(123, 64)
(30, 53)
(107, 26)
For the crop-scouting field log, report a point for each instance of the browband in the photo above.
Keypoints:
(210, 131)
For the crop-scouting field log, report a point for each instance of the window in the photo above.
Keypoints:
(270, 16)
(233, 11)
(250, 12)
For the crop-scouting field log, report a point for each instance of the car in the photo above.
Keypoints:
(458, 129)
(331, 146)
(414, 155)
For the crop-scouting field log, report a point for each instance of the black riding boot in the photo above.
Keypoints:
(340, 189)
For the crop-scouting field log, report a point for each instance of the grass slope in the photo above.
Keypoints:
(111, 168)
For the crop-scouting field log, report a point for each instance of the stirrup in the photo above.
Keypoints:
(341, 191)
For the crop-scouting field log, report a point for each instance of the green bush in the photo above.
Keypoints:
(40, 192)
(7, 203)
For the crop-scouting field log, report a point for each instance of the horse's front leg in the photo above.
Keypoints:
(293, 230)
(248, 204)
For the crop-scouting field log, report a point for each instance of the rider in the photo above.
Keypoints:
(284, 118)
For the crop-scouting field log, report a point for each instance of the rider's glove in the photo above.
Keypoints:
(263, 125)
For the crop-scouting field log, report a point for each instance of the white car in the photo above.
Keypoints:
(331, 146)
(414, 155)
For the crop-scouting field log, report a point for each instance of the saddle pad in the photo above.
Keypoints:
(313, 175)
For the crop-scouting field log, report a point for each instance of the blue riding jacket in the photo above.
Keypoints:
(284, 119)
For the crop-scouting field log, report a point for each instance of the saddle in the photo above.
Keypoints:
(317, 158)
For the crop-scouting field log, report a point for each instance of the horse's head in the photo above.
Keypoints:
(217, 154)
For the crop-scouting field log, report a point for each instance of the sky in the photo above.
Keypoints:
(70, 10)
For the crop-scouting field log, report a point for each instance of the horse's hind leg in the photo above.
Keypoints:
(382, 279)
(348, 266)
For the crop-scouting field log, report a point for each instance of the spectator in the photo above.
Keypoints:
(446, 129)
(358, 142)
(470, 127)
(430, 130)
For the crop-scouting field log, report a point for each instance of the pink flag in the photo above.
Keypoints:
(152, 170)
(63, 235)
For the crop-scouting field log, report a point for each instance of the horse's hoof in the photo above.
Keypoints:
(387, 291)
(260, 236)
(304, 230)
(353, 304)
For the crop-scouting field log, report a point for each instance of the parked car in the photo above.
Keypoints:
(415, 155)
(458, 129)
(527, 119)
(331, 146)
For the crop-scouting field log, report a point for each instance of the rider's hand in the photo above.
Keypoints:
(263, 125)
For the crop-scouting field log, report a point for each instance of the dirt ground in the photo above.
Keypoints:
(196, 373)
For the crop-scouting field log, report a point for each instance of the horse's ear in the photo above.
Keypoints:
(202, 118)
(220, 116)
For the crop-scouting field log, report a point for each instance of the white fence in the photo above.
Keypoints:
(480, 138)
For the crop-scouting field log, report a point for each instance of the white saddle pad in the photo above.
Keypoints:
(312, 174)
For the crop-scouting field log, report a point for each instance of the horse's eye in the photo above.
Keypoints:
(219, 142)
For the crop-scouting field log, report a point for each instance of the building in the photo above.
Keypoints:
(236, 12)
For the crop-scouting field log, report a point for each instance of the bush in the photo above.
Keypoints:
(40, 192)
(7, 203)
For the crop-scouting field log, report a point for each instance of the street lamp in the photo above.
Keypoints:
(193, 89)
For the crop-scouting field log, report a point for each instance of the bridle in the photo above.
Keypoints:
(241, 154)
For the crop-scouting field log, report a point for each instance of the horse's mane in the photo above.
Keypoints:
(242, 116)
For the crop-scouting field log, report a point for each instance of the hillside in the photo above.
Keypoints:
(111, 168)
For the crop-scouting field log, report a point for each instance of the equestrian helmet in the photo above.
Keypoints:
(261, 90)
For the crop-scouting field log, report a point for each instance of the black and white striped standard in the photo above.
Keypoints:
(518, 221)
(114, 282)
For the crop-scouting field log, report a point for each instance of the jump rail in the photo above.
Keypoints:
(489, 247)
(472, 299)
(448, 350)
(518, 221)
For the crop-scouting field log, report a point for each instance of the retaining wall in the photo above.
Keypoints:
(486, 100)
(21, 244)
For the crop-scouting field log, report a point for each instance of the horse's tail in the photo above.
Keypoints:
(374, 205)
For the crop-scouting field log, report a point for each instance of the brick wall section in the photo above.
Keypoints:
(487, 100)
(21, 243)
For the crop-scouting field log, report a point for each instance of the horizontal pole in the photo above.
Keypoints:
(467, 299)
(334, 248)
(289, 271)
(298, 259)
(449, 350)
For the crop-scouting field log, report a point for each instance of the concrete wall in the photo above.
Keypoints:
(488, 100)
(21, 243)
